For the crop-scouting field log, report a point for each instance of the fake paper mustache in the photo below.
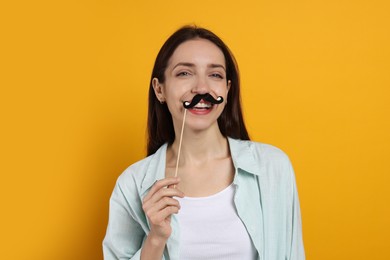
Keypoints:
(198, 97)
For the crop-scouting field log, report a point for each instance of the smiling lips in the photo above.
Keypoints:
(202, 108)
(203, 105)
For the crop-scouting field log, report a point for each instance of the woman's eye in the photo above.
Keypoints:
(183, 74)
(217, 75)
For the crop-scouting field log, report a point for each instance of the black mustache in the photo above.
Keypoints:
(198, 97)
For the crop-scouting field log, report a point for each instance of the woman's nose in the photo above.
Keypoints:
(201, 86)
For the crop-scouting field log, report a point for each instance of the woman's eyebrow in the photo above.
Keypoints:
(216, 66)
(186, 64)
(189, 64)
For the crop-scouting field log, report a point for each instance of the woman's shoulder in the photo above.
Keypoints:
(263, 151)
(138, 166)
(138, 170)
(267, 161)
(262, 159)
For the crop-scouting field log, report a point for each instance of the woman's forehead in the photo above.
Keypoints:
(197, 52)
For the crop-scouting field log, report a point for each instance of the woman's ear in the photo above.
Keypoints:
(229, 83)
(157, 87)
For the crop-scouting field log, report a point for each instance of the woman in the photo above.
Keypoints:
(232, 199)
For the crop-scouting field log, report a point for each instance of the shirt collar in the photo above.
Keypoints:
(244, 156)
(242, 153)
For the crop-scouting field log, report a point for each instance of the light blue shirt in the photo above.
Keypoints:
(266, 200)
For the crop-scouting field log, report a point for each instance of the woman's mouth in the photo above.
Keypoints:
(202, 106)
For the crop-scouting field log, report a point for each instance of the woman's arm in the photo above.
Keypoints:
(125, 231)
(297, 251)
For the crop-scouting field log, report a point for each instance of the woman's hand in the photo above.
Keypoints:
(159, 205)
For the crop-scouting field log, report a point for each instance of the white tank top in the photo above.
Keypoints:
(211, 229)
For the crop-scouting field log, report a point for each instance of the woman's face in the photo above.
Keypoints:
(196, 67)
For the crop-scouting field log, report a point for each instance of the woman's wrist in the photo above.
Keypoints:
(156, 241)
(153, 247)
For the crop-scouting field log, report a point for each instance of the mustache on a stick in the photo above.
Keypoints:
(198, 97)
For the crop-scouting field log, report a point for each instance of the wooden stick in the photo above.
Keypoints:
(181, 138)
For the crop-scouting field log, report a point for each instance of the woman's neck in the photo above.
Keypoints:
(199, 147)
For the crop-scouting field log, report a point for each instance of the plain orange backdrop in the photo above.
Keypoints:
(74, 79)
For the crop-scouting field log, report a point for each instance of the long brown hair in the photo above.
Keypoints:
(160, 125)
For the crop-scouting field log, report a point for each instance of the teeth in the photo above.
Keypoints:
(203, 105)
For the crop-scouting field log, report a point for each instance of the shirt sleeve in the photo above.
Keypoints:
(124, 234)
(295, 243)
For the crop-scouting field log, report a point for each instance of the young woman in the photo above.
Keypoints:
(232, 199)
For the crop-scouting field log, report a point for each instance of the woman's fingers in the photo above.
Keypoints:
(162, 199)
(161, 196)
(163, 215)
(161, 184)
(159, 204)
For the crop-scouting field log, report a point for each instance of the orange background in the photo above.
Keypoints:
(74, 78)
